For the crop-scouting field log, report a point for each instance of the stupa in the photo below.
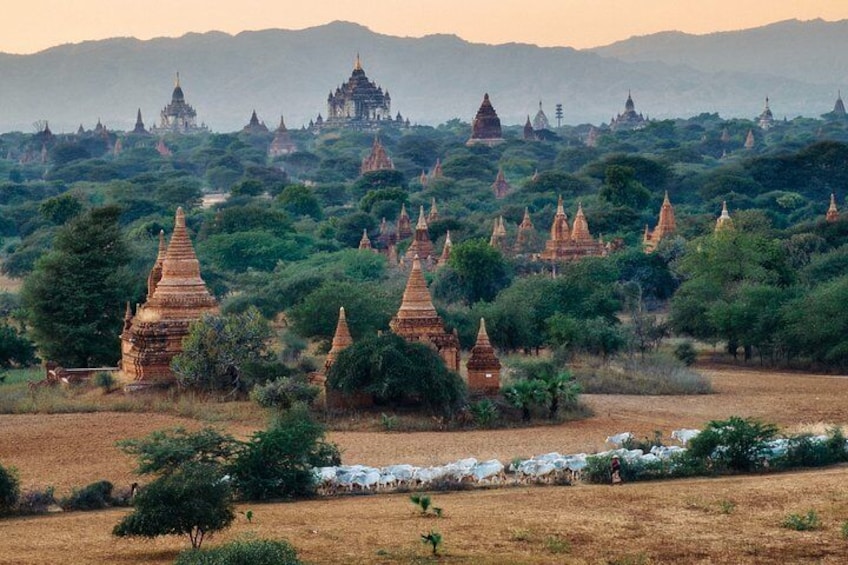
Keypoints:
(254, 126)
(766, 118)
(421, 245)
(404, 224)
(433, 215)
(418, 321)
(498, 238)
(282, 143)
(665, 226)
(178, 116)
(446, 250)
(377, 160)
(177, 296)
(341, 340)
(565, 245)
(486, 127)
(500, 187)
(832, 211)
(483, 365)
(526, 234)
(139, 128)
(629, 120)
(365, 242)
(749, 140)
(724, 221)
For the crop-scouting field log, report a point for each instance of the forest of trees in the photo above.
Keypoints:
(80, 227)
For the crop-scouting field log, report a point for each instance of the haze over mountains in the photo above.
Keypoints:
(799, 65)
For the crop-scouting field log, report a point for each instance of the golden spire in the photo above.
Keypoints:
(832, 211)
(177, 81)
(724, 221)
(482, 335)
(580, 227)
(357, 66)
(365, 242)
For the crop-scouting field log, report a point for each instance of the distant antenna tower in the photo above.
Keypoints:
(558, 115)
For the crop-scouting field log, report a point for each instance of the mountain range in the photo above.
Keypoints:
(799, 65)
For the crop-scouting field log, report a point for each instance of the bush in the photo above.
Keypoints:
(277, 462)
(9, 489)
(242, 552)
(598, 470)
(685, 353)
(651, 376)
(808, 451)
(36, 501)
(104, 380)
(810, 521)
(92, 497)
(283, 393)
(485, 413)
(737, 444)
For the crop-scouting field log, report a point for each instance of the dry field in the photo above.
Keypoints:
(725, 520)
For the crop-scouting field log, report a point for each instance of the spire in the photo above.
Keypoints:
(434, 212)
(422, 221)
(483, 365)
(446, 250)
(832, 211)
(365, 242)
(357, 66)
(177, 81)
(749, 139)
(181, 281)
(500, 187)
(416, 301)
(341, 340)
(482, 335)
(156, 272)
(724, 220)
(580, 227)
(404, 226)
(282, 126)
(526, 222)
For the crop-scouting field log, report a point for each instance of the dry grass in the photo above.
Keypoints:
(726, 520)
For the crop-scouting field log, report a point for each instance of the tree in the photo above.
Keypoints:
(481, 269)
(74, 296)
(166, 451)
(524, 395)
(298, 200)
(558, 385)
(621, 188)
(194, 500)
(60, 209)
(736, 443)
(10, 489)
(278, 462)
(218, 350)
(15, 348)
(242, 552)
(395, 371)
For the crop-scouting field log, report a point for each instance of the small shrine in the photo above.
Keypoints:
(377, 160)
(724, 221)
(486, 126)
(421, 245)
(665, 226)
(282, 143)
(500, 187)
(483, 365)
(832, 211)
(565, 245)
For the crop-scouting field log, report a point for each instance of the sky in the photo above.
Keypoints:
(28, 26)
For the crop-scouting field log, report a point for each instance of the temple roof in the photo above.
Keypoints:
(416, 303)
(341, 340)
(580, 227)
(500, 187)
(839, 106)
(486, 124)
(177, 95)
(540, 121)
(832, 211)
(559, 227)
(724, 220)
(365, 242)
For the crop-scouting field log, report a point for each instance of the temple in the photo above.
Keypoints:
(254, 126)
(341, 340)
(486, 127)
(500, 187)
(360, 104)
(282, 143)
(766, 120)
(525, 241)
(421, 245)
(139, 128)
(838, 112)
(749, 140)
(528, 132)
(540, 120)
(377, 160)
(418, 321)
(483, 365)
(498, 238)
(574, 245)
(629, 120)
(178, 116)
(832, 211)
(665, 226)
(365, 242)
(433, 214)
(176, 297)
(404, 225)
(446, 250)
(724, 221)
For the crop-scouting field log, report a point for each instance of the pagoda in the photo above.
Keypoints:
(418, 321)
(592, 137)
(629, 120)
(377, 160)
(139, 128)
(526, 233)
(500, 187)
(766, 119)
(176, 297)
(486, 127)
(498, 239)
(838, 112)
(437, 173)
(365, 242)
(665, 226)
(832, 212)
(162, 149)
(421, 245)
(565, 245)
(483, 365)
(433, 215)
(341, 340)
(254, 126)
(529, 134)
(724, 221)
(404, 225)
(749, 140)
(178, 116)
(359, 103)
(446, 250)
(540, 120)
(282, 143)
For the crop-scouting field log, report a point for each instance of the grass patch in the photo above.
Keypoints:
(654, 375)
(803, 523)
(16, 376)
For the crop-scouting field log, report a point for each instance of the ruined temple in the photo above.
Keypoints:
(486, 127)
(665, 226)
(500, 187)
(418, 321)
(282, 143)
(178, 116)
(421, 245)
(176, 297)
(433, 215)
(254, 126)
(629, 120)
(483, 365)
(832, 211)
(565, 245)
(404, 225)
(377, 160)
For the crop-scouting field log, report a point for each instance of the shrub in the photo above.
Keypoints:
(810, 521)
(736, 444)
(283, 393)
(10, 489)
(36, 501)
(598, 470)
(242, 552)
(652, 375)
(92, 497)
(685, 353)
(104, 380)
(844, 530)
(433, 538)
(166, 451)
(485, 413)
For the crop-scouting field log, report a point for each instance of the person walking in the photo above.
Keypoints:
(615, 470)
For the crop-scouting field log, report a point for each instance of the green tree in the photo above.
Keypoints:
(74, 295)
(60, 209)
(524, 395)
(15, 348)
(298, 200)
(10, 489)
(737, 443)
(242, 552)
(621, 188)
(481, 269)
(166, 451)
(194, 500)
(219, 349)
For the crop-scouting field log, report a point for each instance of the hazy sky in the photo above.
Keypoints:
(27, 26)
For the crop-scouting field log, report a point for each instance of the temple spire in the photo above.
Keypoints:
(341, 340)
(357, 66)
(422, 220)
(416, 301)
(832, 211)
(724, 220)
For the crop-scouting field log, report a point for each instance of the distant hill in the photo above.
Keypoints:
(431, 79)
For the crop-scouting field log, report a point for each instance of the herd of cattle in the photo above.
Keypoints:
(550, 468)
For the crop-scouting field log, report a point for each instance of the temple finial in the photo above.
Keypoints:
(177, 81)
(358, 65)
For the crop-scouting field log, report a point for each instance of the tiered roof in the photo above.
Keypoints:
(254, 126)
(766, 118)
(421, 245)
(571, 245)
(486, 127)
(665, 226)
(365, 242)
(434, 212)
(498, 239)
(377, 160)
(341, 340)
(404, 224)
(282, 143)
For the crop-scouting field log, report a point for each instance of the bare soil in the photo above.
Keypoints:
(724, 520)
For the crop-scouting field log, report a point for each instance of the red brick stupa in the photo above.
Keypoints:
(421, 245)
(483, 365)
(665, 226)
(486, 127)
(177, 296)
